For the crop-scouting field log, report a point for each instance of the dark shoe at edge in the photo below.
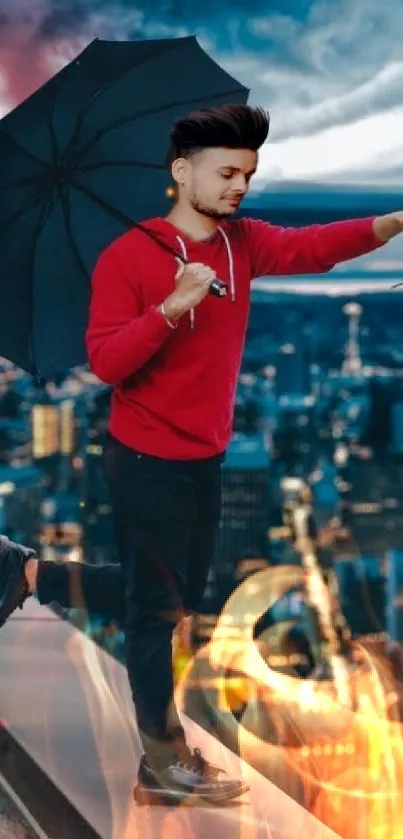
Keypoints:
(192, 782)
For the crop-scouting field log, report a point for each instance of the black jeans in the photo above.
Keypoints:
(166, 515)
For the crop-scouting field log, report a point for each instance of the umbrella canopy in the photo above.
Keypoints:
(83, 159)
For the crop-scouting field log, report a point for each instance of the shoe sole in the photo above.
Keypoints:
(144, 796)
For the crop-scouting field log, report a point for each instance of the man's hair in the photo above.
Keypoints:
(227, 126)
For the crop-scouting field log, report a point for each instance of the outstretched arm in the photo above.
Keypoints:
(318, 248)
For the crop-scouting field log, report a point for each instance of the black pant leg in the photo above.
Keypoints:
(208, 495)
(155, 510)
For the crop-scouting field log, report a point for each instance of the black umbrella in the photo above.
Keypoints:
(82, 159)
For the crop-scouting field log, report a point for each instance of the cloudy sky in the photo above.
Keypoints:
(330, 71)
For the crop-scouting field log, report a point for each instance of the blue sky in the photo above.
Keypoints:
(330, 71)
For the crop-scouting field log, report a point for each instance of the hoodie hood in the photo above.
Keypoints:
(182, 245)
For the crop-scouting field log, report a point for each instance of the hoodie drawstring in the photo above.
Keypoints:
(230, 269)
(230, 264)
(185, 256)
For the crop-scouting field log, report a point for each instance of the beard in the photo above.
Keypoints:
(206, 210)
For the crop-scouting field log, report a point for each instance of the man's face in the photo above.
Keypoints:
(214, 181)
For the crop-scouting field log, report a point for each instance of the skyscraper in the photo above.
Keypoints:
(245, 516)
(292, 370)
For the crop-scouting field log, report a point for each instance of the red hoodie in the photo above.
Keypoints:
(174, 390)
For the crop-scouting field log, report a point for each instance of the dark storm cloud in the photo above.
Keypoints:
(37, 39)
(66, 17)
(61, 20)
(315, 64)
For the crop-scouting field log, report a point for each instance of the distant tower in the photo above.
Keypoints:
(352, 364)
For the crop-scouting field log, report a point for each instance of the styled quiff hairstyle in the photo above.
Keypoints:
(227, 126)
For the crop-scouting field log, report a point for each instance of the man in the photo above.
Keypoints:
(172, 352)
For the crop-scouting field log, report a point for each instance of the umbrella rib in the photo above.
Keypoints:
(124, 219)
(41, 224)
(22, 211)
(51, 129)
(159, 109)
(106, 86)
(105, 163)
(22, 148)
(67, 220)
(101, 202)
(33, 179)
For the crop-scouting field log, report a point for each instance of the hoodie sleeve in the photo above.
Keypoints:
(120, 336)
(307, 250)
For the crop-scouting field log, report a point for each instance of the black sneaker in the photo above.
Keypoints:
(13, 586)
(190, 782)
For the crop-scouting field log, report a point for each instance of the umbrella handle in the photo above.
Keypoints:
(217, 287)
